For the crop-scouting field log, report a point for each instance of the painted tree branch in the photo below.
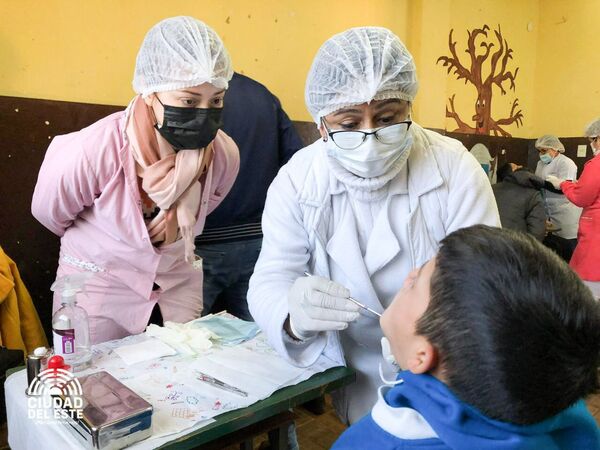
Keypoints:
(513, 118)
(476, 60)
(454, 62)
(462, 126)
(503, 75)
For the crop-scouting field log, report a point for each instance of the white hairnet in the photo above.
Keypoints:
(181, 52)
(593, 129)
(357, 66)
(550, 141)
(481, 153)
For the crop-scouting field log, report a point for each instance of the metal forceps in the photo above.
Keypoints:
(220, 384)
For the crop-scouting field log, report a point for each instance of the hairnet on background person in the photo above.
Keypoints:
(549, 141)
(593, 129)
(181, 52)
(357, 66)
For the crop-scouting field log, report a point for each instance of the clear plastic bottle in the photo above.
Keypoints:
(70, 323)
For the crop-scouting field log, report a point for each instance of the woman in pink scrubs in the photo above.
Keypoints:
(128, 194)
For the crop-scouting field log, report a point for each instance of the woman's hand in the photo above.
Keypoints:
(555, 181)
(318, 304)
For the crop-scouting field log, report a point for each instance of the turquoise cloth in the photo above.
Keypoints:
(231, 331)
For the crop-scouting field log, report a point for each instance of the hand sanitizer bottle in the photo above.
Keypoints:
(70, 324)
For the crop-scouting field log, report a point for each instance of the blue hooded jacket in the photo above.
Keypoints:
(460, 426)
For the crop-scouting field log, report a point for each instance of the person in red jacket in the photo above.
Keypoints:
(585, 193)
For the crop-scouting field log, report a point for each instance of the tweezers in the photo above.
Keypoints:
(220, 384)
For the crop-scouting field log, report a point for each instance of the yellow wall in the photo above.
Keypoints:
(85, 50)
(567, 81)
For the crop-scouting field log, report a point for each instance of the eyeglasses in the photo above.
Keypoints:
(593, 138)
(350, 140)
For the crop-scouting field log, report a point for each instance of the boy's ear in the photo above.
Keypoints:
(424, 358)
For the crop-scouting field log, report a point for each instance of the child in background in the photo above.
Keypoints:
(499, 342)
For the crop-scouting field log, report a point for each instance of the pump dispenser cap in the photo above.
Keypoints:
(70, 285)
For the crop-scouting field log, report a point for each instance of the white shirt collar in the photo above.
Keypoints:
(404, 423)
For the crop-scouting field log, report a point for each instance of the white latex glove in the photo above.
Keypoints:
(318, 304)
(555, 181)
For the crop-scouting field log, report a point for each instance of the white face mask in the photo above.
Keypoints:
(386, 352)
(372, 158)
(388, 357)
(595, 151)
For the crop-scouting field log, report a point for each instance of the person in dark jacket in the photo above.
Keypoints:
(232, 237)
(519, 200)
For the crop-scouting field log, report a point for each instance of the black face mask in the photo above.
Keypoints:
(189, 128)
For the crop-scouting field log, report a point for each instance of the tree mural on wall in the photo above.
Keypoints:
(498, 76)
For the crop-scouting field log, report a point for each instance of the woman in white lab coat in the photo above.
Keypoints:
(358, 209)
(563, 214)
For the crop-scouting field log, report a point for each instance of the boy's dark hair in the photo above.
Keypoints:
(517, 332)
(503, 171)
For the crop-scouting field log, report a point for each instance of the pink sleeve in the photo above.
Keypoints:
(585, 191)
(75, 169)
(226, 165)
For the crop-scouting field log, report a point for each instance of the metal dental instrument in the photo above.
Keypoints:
(353, 300)
(220, 384)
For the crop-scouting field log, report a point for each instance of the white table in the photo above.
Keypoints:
(25, 434)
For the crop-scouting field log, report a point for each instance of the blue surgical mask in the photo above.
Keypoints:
(545, 158)
(231, 331)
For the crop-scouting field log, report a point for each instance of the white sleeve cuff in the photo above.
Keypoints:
(287, 339)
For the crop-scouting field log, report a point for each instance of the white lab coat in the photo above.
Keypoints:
(309, 226)
(562, 212)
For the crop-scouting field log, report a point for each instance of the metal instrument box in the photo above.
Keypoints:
(111, 416)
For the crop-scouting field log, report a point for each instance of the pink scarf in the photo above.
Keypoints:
(170, 179)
